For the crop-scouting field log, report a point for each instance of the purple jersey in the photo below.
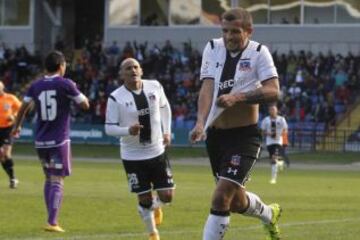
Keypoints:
(52, 97)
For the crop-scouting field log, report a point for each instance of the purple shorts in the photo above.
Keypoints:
(56, 161)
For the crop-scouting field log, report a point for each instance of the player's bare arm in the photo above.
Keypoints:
(167, 139)
(85, 104)
(265, 133)
(269, 92)
(204, 105)
(25, 107)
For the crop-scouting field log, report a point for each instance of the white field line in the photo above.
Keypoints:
(171, 233)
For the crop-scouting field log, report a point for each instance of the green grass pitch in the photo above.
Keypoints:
(318, 204)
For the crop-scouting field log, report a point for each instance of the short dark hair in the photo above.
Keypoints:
(53, 61)
(272, 104)
(239, 14)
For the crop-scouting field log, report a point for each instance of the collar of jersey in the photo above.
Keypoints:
(52, 76)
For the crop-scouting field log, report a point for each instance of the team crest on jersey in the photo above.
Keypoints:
(245, 65)
(235, 160)
(152, 96)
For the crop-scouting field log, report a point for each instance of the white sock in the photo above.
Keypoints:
(274, 171)
(257, 208)
(216, 227)
(147, 215)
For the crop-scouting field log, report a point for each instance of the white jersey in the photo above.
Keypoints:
(252, 66)
(122, 111)
(274, 127)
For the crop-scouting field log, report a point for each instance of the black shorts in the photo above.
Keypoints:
(233, 152)
(145, 175)
(5, 137)
(274, 150)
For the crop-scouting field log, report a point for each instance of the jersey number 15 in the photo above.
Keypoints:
(48, 105)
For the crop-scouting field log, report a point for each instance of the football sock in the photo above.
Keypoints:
(216, 225)
(147, 215)
(55, 197)
(274, 171)
(47, 187)
(257, 208)
(8, 166)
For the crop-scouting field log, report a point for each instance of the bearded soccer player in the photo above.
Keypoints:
(237, 75)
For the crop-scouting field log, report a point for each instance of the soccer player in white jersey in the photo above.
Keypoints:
(273, 128)
(139, 113)
(237, 75)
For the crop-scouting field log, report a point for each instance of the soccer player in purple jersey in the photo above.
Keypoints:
(52, 95)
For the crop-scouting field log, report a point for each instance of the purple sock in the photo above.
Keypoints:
(47, 187)
(56, 195)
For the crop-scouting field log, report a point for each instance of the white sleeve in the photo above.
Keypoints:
(163, 98)
(285, 124)
(112, 127)
(165, 112)
(79, 98)
(265, 66)
(208, 62)
(263, 124)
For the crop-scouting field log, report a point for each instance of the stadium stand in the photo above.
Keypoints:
(316, 88)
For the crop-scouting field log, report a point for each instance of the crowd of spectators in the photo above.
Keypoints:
(316, 88)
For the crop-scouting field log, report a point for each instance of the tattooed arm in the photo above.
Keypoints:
(269, 92)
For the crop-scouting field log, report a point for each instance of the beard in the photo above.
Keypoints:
(233, 46)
